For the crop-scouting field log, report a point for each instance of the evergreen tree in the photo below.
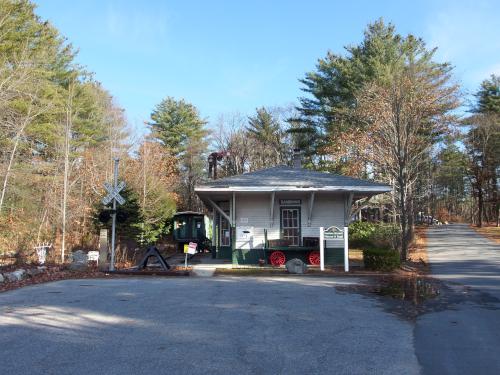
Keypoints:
(269, 138)
(488, 96)
(378, 111)
(483, 148)
(58, 132)
(326, 114)
(177, 125)
(451, 181)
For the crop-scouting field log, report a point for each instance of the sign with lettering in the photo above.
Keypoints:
(93, 256)
(191, 248)
(290, 202)
(333, 233)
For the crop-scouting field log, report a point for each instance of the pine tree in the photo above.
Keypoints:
(326, 113)
(269, 139)
(177, 125)
(483, 147)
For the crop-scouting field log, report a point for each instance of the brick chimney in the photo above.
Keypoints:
(297, 158)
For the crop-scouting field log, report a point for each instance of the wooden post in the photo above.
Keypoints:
(103, 248)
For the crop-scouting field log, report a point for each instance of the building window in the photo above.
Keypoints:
(225, 231)
(290, 225)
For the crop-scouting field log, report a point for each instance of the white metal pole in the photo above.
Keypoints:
(113, 215)
(346, 249)
(321, 248)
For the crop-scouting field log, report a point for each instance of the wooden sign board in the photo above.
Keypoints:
(93, 256)
(290, 202)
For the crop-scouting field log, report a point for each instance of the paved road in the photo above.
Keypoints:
(465, 337)
(200, 326)
(288, 325)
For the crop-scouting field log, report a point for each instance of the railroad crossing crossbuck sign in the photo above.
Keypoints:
(113, 193)
(115, 197)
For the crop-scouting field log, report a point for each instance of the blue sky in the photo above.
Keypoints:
(234, 56)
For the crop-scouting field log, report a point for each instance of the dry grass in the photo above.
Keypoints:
(356, 255)
(490, 231)
(417, 256)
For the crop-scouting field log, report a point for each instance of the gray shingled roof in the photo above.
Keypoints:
(283, 178)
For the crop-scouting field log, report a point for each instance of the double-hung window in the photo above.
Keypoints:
(290, 225)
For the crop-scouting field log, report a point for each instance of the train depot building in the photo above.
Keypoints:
(273, 215)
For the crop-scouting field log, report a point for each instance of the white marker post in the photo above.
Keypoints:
(114, 195)
(346, 249)
(322, 248)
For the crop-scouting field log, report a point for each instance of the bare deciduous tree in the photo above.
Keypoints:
(404, 118)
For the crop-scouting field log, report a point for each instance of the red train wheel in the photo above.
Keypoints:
(314, 258)
(277, 258)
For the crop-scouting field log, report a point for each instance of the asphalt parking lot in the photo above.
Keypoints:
(262, 325)
(289, 325)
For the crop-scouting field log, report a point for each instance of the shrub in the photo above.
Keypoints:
(387, 236)
(380, 259)
(361, 232)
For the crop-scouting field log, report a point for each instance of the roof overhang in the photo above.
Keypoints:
(267, 189)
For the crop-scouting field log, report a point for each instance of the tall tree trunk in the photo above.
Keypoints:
(403, 219)
(67, 136)
(17, 139)
(480, 206)
(41, 225)
(7, 172)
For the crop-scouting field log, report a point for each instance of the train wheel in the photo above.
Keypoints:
(314, 258)
(277, 258)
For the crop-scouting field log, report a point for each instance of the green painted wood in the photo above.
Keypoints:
(224, 252)
(333, 256)
(293, 248)
(246, 256)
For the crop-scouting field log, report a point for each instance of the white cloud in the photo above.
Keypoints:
(136, 25)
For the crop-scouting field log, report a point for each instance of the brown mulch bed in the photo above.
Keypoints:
(52, 273)
(58, 272)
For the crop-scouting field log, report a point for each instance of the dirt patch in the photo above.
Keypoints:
(490, 231)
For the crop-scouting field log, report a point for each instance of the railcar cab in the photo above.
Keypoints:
(189, 226)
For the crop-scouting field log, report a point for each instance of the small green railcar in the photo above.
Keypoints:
(189, 226)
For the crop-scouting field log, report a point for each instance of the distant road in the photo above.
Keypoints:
(464, 338)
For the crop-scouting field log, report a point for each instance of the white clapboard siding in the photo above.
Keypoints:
(253, 211)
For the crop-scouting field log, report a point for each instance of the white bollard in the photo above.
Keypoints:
(346, 249)
(321, 249)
